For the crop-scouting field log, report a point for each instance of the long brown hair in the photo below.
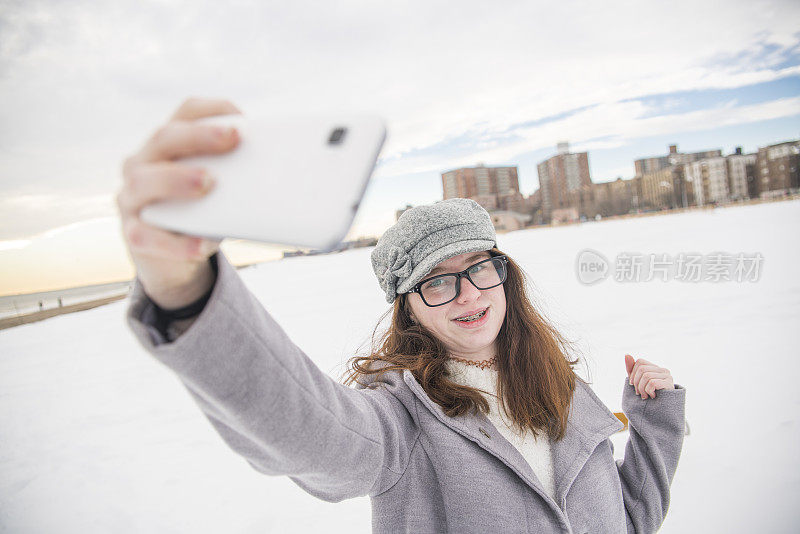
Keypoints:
(536, 379)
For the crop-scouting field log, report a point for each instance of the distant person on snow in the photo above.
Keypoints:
(466, 417)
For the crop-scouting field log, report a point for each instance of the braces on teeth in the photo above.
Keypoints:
(471, 317)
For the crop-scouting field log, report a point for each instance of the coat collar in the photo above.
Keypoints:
(589, 423)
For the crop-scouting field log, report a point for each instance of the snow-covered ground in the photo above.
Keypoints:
(95, 436)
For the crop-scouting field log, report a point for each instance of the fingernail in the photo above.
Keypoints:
(198, 177)
(202, 181)
(224, 134)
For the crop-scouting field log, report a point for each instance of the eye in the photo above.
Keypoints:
(476, 268)
(438, 284)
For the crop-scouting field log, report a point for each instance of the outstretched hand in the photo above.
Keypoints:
(647, 377)
(173, 268)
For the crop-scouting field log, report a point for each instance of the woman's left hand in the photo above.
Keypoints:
(647, 377)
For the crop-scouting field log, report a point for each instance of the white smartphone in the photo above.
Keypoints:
(293, 180)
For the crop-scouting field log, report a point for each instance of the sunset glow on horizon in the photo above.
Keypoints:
(88, 253)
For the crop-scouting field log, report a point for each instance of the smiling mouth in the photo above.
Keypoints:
(471, 318)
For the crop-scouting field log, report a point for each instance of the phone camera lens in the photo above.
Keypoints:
(337, 136)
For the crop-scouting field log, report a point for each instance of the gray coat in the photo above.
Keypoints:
(424, 471)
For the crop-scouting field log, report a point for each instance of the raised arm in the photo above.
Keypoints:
(263, 395)
(272, 405)
(657, 427)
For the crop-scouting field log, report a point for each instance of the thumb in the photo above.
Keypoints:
(629, 362)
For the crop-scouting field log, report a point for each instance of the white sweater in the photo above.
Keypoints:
(535, 451)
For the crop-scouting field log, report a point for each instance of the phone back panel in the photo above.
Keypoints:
(293, 180)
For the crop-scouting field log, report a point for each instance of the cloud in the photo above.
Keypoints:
(14, 244)
(84, 84)
(32, 215)
(600, 127)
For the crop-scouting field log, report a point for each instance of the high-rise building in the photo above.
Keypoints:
(565, 182)
(654, 164)
(665, 181)
(742, 175)
(709, 178)
(613, 198)
(663, 188)
(778, 168)
(494, 188)
(722, 179)
(646, 165)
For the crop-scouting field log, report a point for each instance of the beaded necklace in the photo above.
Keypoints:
(484, 364)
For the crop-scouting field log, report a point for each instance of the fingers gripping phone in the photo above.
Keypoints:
(293, 180)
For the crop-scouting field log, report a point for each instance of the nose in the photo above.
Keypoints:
(468, 291)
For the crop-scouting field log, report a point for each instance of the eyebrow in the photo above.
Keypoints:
(469, 258)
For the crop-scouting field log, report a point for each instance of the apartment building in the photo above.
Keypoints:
(742, 175)
(492, 187)
(654, 164)
(565, 182)
(778, 168)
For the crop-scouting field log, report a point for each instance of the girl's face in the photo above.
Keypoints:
(473, 340)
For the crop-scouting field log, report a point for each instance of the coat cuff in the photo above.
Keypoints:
(667, 409)
(143, 317)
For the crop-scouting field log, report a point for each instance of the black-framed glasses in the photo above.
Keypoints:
(443, 288)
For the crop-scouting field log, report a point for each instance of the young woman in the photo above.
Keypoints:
(467, 417)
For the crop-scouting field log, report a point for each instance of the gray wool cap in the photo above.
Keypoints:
(426, 235)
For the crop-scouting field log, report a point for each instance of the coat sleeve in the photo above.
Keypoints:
(656, 430)
(272, 405)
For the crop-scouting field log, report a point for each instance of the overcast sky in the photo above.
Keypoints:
(82, 84)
